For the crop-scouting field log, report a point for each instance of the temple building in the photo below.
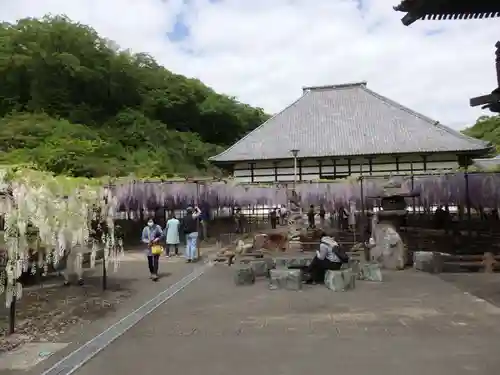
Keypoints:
(346, 130)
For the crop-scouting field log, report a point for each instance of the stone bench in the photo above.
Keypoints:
(260, 266)
(341, 280)
(298, 262)
(244, 275)
(283, 278)
(369, 272)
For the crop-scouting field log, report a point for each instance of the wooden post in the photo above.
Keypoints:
(489, 262)
(12, 315)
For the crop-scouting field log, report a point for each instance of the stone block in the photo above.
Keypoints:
(293, 261)
(370, 272)
(340, 281)
(423, 261)
(289, 279)
(260, 267)
(244, 275)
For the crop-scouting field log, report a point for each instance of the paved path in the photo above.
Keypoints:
(411, 324)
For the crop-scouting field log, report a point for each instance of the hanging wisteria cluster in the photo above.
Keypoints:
(51, 216)
(480, 190)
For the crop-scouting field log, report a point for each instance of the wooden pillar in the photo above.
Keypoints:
(275, 164)
(334, 161)
(320, 168)
(349, 165)
(252, 176)
(300, 169)
(397, 164)
(370, 165)
(424, 161)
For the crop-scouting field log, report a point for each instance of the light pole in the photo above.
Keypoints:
(294, 153)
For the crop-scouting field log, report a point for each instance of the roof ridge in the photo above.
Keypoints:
(425, 118)
(304, 94)
(334, 87)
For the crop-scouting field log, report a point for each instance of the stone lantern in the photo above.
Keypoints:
(387, 247)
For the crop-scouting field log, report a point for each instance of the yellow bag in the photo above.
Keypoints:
(156, 249)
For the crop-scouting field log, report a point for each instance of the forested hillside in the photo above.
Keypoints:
(74, 103)
(486, 128)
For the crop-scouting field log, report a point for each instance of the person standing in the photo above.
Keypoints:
(190, 228)
(283, 213)
(310, 216)
(151, 235)
(322, 215)
(172, 234)
(273, 216)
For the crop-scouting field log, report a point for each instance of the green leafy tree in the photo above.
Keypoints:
(73, 102)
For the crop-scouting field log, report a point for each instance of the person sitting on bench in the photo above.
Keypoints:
(328, 257)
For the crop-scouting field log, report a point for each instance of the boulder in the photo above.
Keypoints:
(244, 275)
(242, 248)
(340, 281)
(289, 279)
(389, 250)
(260, 241)
(369, 272)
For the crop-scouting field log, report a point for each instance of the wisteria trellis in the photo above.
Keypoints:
(476, 189)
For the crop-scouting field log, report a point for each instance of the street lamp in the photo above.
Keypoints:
(294, 153)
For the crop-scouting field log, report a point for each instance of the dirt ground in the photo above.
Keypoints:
(44, 313)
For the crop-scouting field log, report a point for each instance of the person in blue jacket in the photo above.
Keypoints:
(152, 234)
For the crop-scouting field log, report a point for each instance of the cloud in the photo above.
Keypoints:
(264, 51)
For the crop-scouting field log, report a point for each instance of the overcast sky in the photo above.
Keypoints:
(264, 51)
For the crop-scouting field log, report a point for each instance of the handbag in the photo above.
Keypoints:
(156, 249)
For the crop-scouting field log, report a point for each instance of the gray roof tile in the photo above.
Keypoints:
(346, 120)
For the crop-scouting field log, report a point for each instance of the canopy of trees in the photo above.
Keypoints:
(72, 102)
(486, 128)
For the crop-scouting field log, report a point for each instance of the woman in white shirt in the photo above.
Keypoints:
(172, 234)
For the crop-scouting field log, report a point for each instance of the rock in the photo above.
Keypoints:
(260, 241)
(389, 250)
(370, 272)
(261, 267)
(340, 281)
(244, 275)
(289, 279)
(294, 245)
(242, 248)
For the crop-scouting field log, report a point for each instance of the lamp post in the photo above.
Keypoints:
(294, 153)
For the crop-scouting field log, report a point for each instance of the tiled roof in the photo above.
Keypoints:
(346, 120)
(444, 10)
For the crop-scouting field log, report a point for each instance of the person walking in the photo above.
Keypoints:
(151, 235)
(190, 229)
(172, 234)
